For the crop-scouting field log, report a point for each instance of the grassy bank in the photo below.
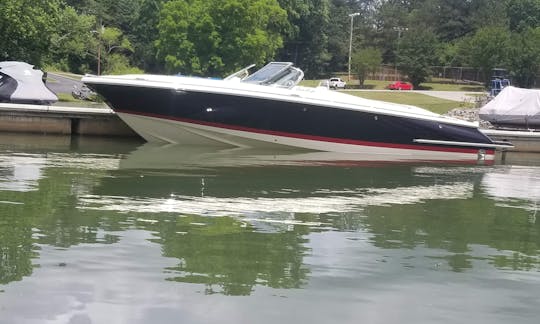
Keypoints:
(431, 103)
(381, 85)
(434, 104)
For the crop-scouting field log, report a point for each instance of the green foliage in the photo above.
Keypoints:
(417, 53)
(485, 13)
(215, 37)
(524, 57)
(523, 14)
(105, 11)
(111, 48)
(218, 37)
(365, 61)
(26, 29)
(119, 64)
(453, 19)
(448, 54)
(486, 49)
(145, 33)
(307, 34)
(72, 43)
(126, 12)
(113, 38)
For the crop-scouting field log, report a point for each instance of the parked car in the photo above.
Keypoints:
(337, 83)
(400, 85)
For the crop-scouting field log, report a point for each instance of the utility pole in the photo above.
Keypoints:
(350, 41)
(99, 32)
(399, 30)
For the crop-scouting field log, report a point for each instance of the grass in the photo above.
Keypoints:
(66, 97)
(381, 85)
(433, 104)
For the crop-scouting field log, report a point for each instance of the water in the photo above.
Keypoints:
(96, 231)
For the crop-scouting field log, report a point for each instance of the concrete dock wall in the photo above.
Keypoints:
(60, 120)
(524, 141)
(39, 119)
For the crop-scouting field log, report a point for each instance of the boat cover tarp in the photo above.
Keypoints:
(21, 83)
(514, 107)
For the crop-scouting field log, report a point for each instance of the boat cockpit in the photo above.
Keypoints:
(275, 74)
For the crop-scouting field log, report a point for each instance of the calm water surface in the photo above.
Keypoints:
(95, 231)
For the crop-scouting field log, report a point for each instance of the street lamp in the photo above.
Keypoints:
(350, 41)
(399, 30)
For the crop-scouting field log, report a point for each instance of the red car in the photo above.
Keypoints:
(400, 85)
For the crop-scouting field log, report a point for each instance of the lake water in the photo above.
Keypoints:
(112, 231)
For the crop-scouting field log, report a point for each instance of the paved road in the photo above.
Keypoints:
(448, 95)
(61, 84)
(453, 95)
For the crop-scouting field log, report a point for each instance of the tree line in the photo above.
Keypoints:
(217, 37)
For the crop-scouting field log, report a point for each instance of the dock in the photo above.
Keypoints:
(523, 140)
(62, 120)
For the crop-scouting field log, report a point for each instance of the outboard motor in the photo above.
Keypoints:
(21, 83)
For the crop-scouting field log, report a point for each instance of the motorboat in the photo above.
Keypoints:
(513, 108)
(21, 83)
(268, 109)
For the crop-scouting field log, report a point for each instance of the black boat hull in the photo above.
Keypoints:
(196, 117)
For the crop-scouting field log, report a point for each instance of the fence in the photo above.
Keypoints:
(449, 74)
(453, 74)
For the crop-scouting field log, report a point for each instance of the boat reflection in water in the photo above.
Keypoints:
(123, 226)
(274, 193)
(249, 182)
(236, 219)
(174, 156)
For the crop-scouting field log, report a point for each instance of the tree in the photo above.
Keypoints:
(105, 11)
(26, 28)
(418, 52)
(307, 35)
(523, 14)
(72, 42)
(112, 46)
(390, 15)
(145, 34)
(496, 15)
(124, 14)
(366, 61)
(524, 57)
(486, 49)
(453, 19)
(218, 36)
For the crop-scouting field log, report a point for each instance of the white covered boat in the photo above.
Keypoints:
(21, 83)
(514, 108)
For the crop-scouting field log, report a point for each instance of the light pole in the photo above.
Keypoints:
(399, 30)
(350, 41)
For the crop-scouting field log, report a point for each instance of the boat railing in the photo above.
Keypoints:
(241, 74)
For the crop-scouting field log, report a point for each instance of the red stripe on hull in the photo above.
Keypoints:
(488, 151)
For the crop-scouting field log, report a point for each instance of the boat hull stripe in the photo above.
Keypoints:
(313, 137)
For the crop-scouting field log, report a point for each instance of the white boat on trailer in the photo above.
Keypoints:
(268, 108)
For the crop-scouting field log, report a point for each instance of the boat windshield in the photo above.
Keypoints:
(277, 74)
